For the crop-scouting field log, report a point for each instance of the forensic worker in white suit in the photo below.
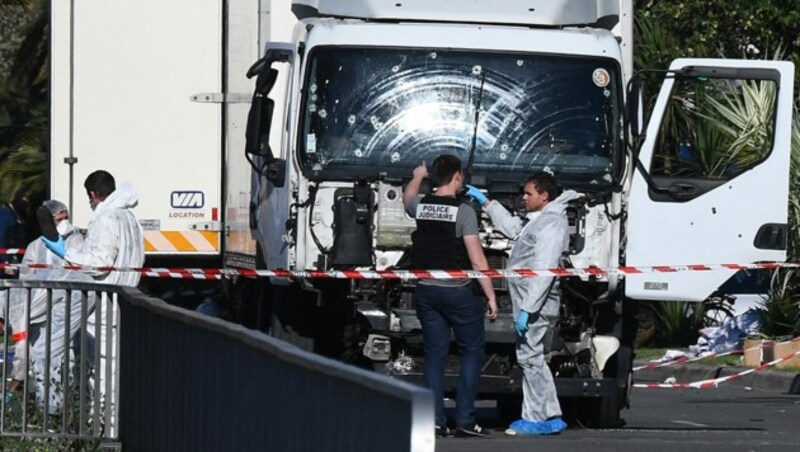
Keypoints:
(540, 239)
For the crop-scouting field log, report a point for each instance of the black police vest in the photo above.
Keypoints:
(434, 243)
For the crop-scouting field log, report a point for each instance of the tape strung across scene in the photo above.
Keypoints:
(686, 360)
(714, 382)
(217, 273)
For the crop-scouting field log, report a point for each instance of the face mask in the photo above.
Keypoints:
(64, 228)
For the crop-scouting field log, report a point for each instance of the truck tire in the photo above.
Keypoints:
(597, 412)
(606, 412)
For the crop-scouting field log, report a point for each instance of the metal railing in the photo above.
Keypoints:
(50, 332)
(187, 381)
(192, 382)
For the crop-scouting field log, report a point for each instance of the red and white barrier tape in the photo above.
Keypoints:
(713, 383)
(216, 273)
(11, 251)
(686, 360)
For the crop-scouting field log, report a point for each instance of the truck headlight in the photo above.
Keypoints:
(378, 348)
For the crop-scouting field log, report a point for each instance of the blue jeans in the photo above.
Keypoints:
(439, 309)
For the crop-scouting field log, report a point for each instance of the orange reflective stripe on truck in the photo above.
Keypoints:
(181, 241)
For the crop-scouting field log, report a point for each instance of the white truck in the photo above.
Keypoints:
(156, 94)
(351, 95)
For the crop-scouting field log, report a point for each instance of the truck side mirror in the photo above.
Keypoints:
(259, 118)
(276, 52)
(637, 120)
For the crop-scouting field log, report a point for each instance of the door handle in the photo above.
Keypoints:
(682, 191)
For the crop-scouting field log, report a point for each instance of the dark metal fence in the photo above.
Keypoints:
(191, 382)
(184, 381)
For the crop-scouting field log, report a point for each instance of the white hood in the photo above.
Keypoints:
(559, 204)
(124, 197)
(114, 239)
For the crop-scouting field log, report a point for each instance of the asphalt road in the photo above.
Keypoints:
(721, 419)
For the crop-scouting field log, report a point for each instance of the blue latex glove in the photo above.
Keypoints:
(58, 247)
(521, 324)
(476, 194)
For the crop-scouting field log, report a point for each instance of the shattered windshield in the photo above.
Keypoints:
(372, 113)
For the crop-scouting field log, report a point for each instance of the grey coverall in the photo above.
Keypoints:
(538, 244)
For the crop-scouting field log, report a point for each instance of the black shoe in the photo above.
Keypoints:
(471, 430)
(443, 431)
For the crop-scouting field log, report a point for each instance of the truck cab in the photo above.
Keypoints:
(373, 89)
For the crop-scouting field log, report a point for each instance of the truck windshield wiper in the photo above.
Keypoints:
(471, 159)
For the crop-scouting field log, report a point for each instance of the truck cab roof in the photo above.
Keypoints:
(545, 13)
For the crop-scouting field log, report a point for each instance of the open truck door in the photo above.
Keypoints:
(713, 181)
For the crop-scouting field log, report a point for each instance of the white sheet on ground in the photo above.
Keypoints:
(728, 337)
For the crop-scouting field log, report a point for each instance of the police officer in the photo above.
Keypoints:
(447, 238)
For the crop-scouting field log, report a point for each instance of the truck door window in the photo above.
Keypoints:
(714, 129)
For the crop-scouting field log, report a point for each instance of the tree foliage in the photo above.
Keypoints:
(727, 28)
(667, 29)
(24, 98)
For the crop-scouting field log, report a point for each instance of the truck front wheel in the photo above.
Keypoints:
(595, 412)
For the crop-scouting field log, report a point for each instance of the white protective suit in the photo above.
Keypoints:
(59, 345)
(37, 253)
(17, 306)
(114, 239)
(539, 244)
